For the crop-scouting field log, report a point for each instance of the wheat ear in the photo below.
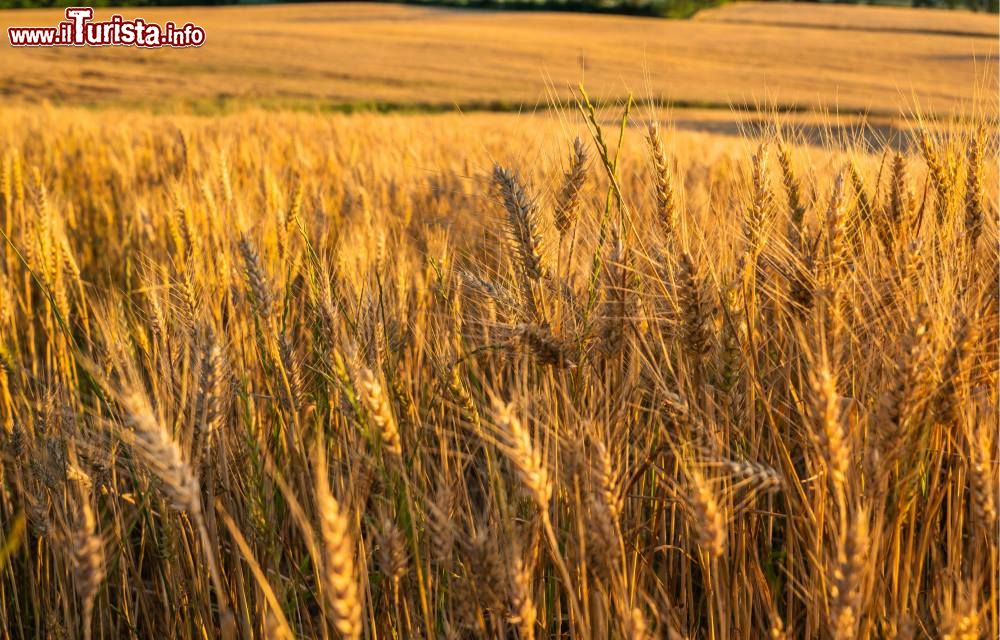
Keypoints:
(338, 572)
(567, 208)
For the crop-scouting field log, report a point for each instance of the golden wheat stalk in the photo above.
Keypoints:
(377, 404)
(162, 456)
(567, 208)
(663, 182)
(522, 227)
(338, 572)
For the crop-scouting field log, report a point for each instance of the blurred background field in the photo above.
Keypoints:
(351, 56)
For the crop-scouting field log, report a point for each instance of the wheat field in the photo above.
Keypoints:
(336, 55)
(538, 377)
(613, 368)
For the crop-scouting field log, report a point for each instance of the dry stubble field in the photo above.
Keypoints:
(280, 374)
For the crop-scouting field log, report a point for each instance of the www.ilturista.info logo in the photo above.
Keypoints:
(79, 30)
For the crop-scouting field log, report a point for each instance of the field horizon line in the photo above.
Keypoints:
(225, 105)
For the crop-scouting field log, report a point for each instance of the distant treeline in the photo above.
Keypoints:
(659, 8)
(678, 8)
(656, 8)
